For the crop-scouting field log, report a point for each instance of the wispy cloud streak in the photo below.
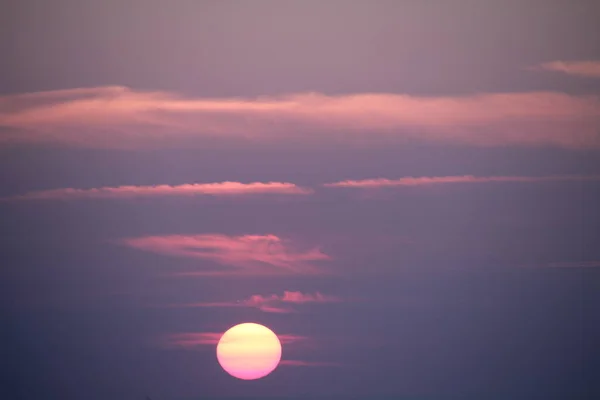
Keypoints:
(247, 254)
(273, 303)
(590, 69)
(194, 340)
(123, 118)
(193, 189)
(436, 180)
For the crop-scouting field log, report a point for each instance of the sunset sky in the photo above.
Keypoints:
(405, 192)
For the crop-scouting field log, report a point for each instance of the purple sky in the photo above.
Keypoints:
(406, 192)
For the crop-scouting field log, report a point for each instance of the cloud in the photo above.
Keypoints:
(303, 298)
(193, 189)
(187, 340)
(256, 188)
(273, 303)
(590, 69)
(247, 254)
(434, 180)
(194, 340)
(124, 118)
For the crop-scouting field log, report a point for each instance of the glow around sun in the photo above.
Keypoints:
(249, 351)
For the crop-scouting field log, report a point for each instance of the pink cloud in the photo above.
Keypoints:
(194, 189)
(589, 69)
(273, 303)
(193, 340)
(434, 180)
(292, 297)
(125, 118)
(247, 254)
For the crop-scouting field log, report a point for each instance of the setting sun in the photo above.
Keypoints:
(249, 351)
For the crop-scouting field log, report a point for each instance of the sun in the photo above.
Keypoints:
(249, 351)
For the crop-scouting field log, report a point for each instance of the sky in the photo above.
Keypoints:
(405, 192)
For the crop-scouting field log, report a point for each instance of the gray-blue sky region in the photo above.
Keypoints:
(405, 192)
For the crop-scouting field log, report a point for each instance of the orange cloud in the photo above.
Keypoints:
(210, 189)
(122, 117)
(589, 69)
(247, 254)
(273, 303)
(195, 339)
(434, 180)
